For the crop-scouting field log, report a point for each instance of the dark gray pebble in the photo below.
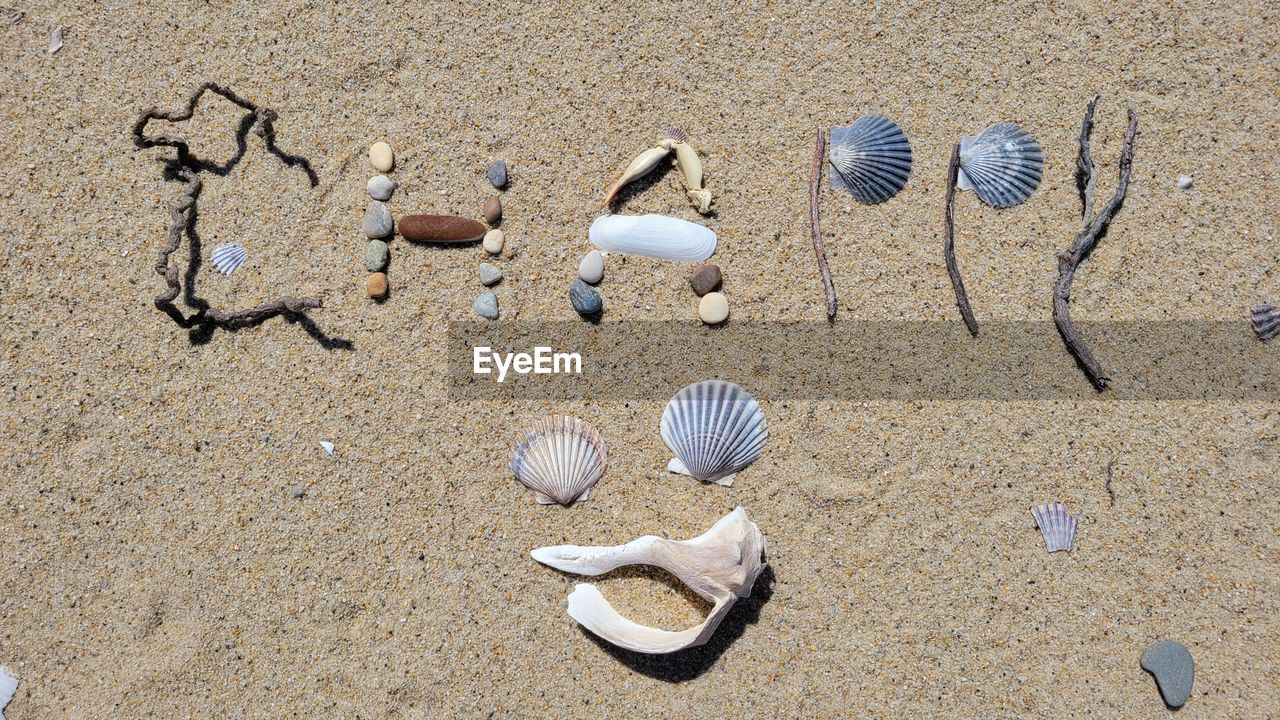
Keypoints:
(498, 174)
(1170, 662)
(584, 298)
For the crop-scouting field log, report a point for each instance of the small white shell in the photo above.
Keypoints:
(655, 236)
(560, 460)
(327, 446)
(1056, 525)
(55, 40)
(870, 158)
(8, 686)
(228, 257)
(715, 429)
(1002, 165)
(1266, 322)
(1185, 181)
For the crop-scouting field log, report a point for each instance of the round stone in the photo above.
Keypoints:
(489, 274)
(1174, 670)
(377, 220)
(376, 256)
(498, 174)
(380, 157)
(380, 187)
(487, 305)
(376, 285)
(1185, 181)
(297, 491)
(713, 308)
(705, 278)
(591, 269)
(492, 210)
(493, 241)
(584, 298)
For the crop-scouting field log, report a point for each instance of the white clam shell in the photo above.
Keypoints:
(655, 236)
(721, 565)
(1002, 165)
(560, 459)
(8, 686)
(870, 158)
(228, 257)
(715, 429)
(1056, 525)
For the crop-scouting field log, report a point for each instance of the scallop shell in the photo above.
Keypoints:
(228, 257)
(1056, 525)
(870, 158)
(655, 236)
(560, 460)
(1002, 165)
(1266, 321)
(715, 429)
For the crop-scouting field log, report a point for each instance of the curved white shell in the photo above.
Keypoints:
(870, 158)
(1056, 525)
(655, 236)
(721, 565)
(8, 686)
(715, 429)
(559, 459)
(228, 257)
(1266, 322)
(1002, 165)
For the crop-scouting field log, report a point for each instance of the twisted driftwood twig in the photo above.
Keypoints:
(949, 246)
(815, 177)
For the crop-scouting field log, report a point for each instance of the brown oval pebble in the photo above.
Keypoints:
(440, 229)
(705, 278)
(376, 285)
(492, 210)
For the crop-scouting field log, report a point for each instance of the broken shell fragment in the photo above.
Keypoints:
(642, 165)
(1002, 165)
(440, 229)
(1266, 322)
(560, 459)
(8, 686)
(870, 158)
(715, 429)
(721, 565)
(655, 236)
(1056, 525)
(690, 166)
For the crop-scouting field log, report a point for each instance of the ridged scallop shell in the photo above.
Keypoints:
(715, 429)
(228, 257)
(559, 459)
(870, 158)
(655, 236)
(1002, 165)
(1266, 321)
(1056, 525)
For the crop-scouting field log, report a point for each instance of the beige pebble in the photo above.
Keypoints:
(380, 157)
(713, 308)
(376, 285)
(493, 241)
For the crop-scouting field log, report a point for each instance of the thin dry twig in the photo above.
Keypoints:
(949, 245)
(187, 167)
(1085, 241)
(1111, 466)
(815, 177)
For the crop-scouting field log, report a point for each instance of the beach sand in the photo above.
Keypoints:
(155, 564)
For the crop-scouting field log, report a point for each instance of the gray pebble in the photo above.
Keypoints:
(377, 220)
(376, 256)
(297, 491)
(584, 298)
(1170, 662)
(380, 187)
(591, 269)
(487, 305)
(489, 274)
(498, 174)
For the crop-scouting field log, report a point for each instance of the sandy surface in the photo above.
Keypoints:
(155, 564)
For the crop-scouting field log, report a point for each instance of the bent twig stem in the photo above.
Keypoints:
(949, 245)
(815, 177)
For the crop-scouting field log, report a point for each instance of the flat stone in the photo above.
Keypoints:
(380, 187)
(440, 229)
(489, 274)
(1171, 664)
(381, 157)
(493, 241)
(492, 210)
(376, 256)
(487, 305)
(713, 308)
(585, 299)
(498, 174)
(377, 220)
(591, 269)
(705, 278)
(376, 285)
